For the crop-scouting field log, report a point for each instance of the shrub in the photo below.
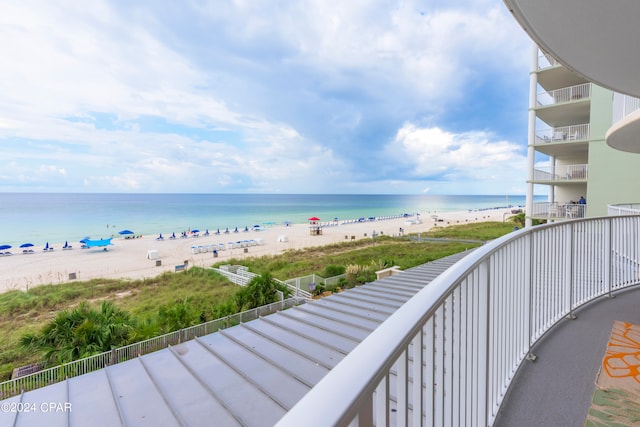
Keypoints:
(333, 270)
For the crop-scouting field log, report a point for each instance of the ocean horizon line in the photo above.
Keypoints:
(58, 217)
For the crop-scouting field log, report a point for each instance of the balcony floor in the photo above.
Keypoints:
(556, 389)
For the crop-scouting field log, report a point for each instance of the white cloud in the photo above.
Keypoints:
(246, 96)
(456, 161)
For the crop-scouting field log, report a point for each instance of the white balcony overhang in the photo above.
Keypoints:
(594, 38)
(625, 134)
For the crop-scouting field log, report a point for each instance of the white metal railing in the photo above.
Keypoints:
(447, 356)
(546, 61)
(557, 210)
(240, 275)
(563, 134)
(624, 209)
(560, 173)
(566, 94)
(624, 105)
(304, 281)
(122, 354)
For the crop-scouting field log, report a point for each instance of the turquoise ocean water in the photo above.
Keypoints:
(38, 217)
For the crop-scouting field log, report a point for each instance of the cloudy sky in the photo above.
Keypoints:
(232, 96)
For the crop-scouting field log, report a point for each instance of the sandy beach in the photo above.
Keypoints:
(129, 258)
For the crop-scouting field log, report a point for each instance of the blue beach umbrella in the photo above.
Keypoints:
(4, 247)
(125, 232)
(26, 245)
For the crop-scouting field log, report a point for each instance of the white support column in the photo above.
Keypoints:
(531, 137)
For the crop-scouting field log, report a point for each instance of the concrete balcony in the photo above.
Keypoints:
(575, 133)
(624, 209)
(556, 210)
(566, 106)
(563, 173)
(579, 92)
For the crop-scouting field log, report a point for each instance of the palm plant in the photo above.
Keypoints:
(81, 332)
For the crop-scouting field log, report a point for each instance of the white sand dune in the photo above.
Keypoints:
(127, 258)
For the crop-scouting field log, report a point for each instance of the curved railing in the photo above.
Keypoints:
(624, 209)
(447, 356)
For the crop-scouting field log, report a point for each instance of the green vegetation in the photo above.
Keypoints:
(261, 290)
(140, 309)
(81, 332)
(519, 220)
(150, 303)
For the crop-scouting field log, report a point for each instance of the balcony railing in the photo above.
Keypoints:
(624, 105)
(447, 356)
(624, 209)
(546, 61)
(561, 173)
(567, 94)
(556, 210)
(563, 134)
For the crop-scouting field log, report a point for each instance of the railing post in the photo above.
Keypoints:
(608, 256)
(484, 358)
(529, 256)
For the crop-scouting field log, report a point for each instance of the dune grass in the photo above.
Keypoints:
(27, 312)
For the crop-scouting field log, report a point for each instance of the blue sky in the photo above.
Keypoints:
(222, 96)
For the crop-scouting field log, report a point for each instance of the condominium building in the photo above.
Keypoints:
(568, 157)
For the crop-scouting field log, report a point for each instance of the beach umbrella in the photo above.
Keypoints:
(4, 247)
(195, 231)
(46, 247)
(314, 218)
(26, 245)
(125, 232)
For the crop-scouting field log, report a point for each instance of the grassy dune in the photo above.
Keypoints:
(23, 312)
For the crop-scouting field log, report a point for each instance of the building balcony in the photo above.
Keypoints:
(566, 106)
(623, 135)
(579, 92)
(558, 211)
(563, 134)
(546, 61)
(624, 209)
(563, 173)
(552, 75)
